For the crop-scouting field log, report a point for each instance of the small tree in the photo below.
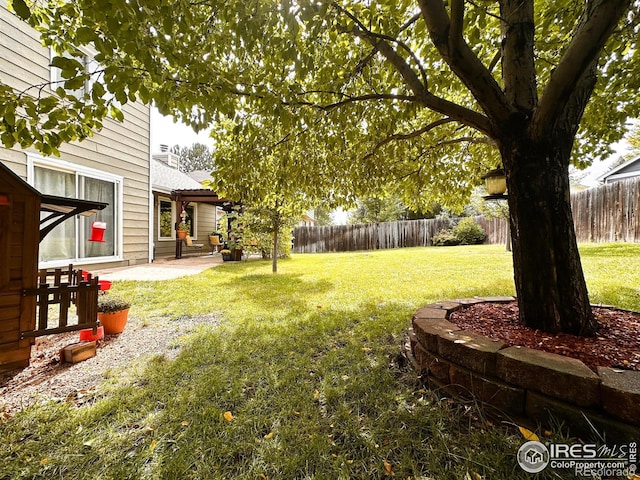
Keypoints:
(268, 231)
(322, 216)
(258, 175)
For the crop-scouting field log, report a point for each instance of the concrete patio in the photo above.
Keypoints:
(161, 268)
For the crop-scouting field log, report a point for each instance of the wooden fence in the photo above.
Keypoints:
(609, 213)
(64, 288)
(605, 214)
(376, 236)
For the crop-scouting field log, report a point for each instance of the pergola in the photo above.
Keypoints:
(184, 197)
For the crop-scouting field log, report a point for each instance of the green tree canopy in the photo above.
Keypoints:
(364, 82)
(372, 210)
(389, 209)
(257, 172)
(633, 138)
(322, 216)
(195, 157)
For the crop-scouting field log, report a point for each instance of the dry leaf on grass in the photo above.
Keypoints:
(528, 434)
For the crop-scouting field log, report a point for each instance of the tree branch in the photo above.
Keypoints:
(446, 35)
(370, 34)
(361, 64)
(406, 136)
(518, 61)
(598, 21)
(423, 130)
(457, 20)
(568, 122)
(360, 98)
(422, 95)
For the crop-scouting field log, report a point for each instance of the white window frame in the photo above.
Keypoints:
(56, 74)
(173, 218)
(34, 160)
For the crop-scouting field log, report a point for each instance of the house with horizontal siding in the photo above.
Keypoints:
(166, 178)
(113, 166)
(624, 171)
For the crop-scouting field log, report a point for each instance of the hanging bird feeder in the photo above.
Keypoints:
(496, 182)
(97, 231)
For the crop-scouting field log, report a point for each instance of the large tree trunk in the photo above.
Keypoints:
(550, 285)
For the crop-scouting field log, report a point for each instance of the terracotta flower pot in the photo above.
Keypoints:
(182, 234)
(113, 322)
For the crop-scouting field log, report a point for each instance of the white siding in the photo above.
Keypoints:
(119, 148)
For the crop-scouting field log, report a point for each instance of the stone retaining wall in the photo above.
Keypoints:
(521, 382)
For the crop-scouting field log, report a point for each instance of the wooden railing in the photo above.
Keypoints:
(64, 288)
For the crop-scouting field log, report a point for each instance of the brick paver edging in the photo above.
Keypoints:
(521, 382)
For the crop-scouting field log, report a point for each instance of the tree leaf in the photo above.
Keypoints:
(388, 469)
(21, 9)
(528, 434)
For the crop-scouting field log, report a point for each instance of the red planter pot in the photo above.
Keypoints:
(113, 322)
(87, 335)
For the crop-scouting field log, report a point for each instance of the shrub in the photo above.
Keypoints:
(112, 303)
(445, 238)
(468, 232)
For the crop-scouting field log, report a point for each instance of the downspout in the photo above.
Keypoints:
(150, 208)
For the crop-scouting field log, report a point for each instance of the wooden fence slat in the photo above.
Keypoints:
(43, 306)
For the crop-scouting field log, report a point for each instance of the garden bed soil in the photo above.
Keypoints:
(616, 344)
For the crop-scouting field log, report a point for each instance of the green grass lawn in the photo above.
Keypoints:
(301, 380)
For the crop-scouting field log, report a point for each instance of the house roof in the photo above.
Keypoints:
(630, 168)
(200, 175)
(166, 179)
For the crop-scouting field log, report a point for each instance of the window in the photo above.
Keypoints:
(68, 242)
(166, 219)
(190, 219)
(91, 66)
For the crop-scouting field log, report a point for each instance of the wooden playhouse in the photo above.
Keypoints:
(26, 216)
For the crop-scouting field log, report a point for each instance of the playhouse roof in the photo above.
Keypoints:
(59, 208)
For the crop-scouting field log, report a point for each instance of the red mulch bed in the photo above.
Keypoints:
(616, 345)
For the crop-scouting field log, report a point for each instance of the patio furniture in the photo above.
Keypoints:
(214, 241)
(192, 247)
